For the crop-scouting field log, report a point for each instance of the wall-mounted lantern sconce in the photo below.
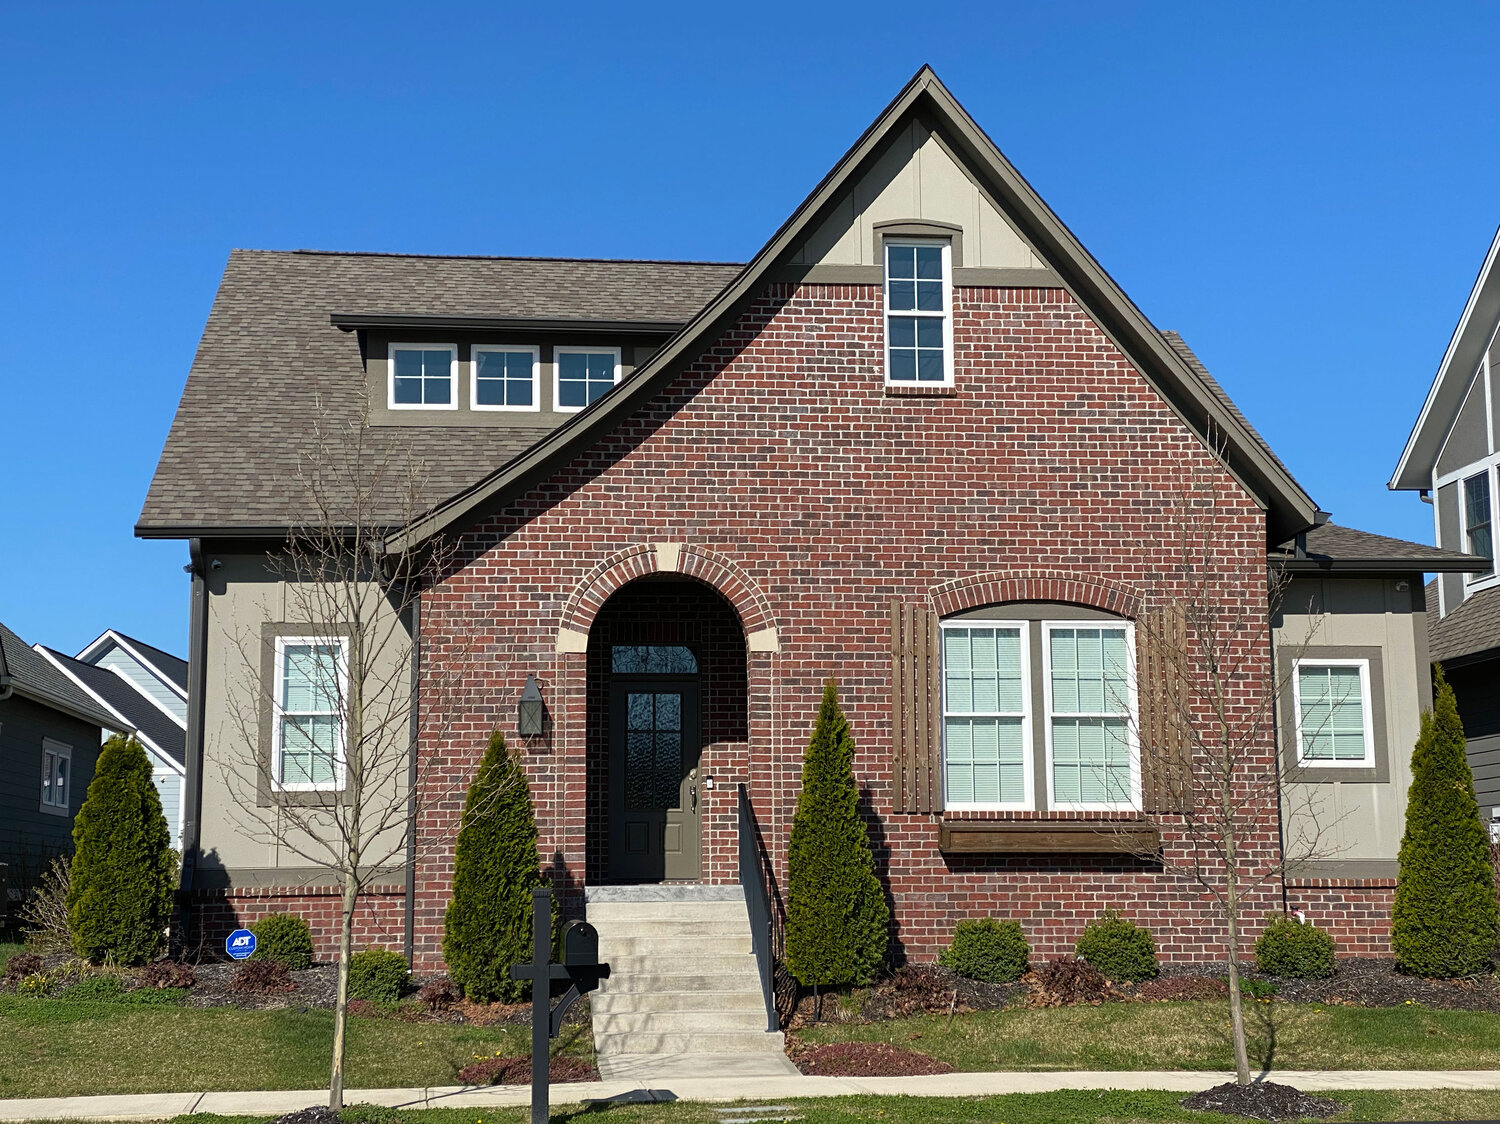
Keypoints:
(533, 712)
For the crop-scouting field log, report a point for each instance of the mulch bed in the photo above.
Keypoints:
(864, 1059)
(1263, 1100)
(318, 1114)
(1358, 982)
(517, 1071)
(916, 989)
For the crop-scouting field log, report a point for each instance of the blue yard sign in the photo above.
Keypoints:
(240, 943)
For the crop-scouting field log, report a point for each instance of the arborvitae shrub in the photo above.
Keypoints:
(377, 974)
(120, 895)
(1444, 919)
(487, 926)
(838, 921)
(986, 949)
(1294, 951)
(1120, 949)
(284, 938)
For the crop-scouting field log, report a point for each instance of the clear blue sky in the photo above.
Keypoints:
(1305, 191)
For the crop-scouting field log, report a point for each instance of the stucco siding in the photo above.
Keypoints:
(1469, 439)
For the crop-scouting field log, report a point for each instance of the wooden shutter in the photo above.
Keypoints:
(916, 708)
(1166, 749)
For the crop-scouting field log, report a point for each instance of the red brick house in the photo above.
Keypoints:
(921, 442)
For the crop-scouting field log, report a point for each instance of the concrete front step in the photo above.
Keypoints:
(705, 985)
(675, 964)
(698, 1042)
(651, 1022)
(619, 1002)
(615, 913)
(651, 945)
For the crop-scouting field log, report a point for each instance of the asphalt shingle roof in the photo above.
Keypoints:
(173, 667)
(1472, 627)
(134, 707)
(1334, 543)
(35, 677)
(270, 367)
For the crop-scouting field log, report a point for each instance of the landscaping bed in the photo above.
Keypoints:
(864, 1059)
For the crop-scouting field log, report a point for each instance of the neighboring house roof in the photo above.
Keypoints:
(272, 367)
(1289, 508)
(1472, 629)
(173, 669)
(29, 675)
(1460, 361)
(155, 727)
(1343, 549)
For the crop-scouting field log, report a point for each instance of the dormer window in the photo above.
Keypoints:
(918, 320)
(583, 375)
(505, 378)
(423, 376)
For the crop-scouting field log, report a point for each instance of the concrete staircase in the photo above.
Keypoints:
(683, 997)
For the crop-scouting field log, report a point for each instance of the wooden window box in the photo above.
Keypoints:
(1074, 837)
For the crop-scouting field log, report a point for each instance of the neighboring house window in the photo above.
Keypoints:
(1479, 520)
(506, 378)
(583, 375)
(1084, 684)
(985, 688)
(918, 325)
(308, 734)
(57, 776)
(1332, 705)
(424, 376)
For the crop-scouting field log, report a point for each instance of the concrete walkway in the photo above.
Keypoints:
(162, 1106)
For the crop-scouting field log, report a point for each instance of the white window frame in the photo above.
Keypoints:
(1476, 582)
(1028, 777)
(506, 349)
(946, 314)
(559, 351)
(278, 713)
(1366, 713)
(390, 376)
(57, 751)
(1132, 718)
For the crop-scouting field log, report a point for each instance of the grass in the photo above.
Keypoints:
(9, 949)
(1118, 1036)
(61, 1048)
(1102, 1107)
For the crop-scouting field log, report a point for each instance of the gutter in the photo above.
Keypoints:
(351, 321)
(1326, 565)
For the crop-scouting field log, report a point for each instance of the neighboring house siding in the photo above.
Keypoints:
(1477, 687)
(169, 787)
(121, 661)
(28, 835)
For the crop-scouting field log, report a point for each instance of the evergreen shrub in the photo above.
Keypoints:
(1120, 949)
(989, 950)
(487, 926)
(838, 920)
(284, 938)
(1294, 951)
(1444, 920)
(377, 974)
(120, 894)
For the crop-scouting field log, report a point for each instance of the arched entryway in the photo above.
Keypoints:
(666, 704)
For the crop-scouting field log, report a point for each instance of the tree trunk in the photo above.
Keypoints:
(341, 993)
(1236, 1006)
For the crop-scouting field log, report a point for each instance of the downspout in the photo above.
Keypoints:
(1276, 753)
(414, 721)
(192, 801)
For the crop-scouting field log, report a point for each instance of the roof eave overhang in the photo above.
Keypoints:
(1460, 361)
(1289, 509)
(1372, 566)
(217, 531)
(351, 321)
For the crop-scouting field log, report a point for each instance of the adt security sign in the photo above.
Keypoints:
(240, 943)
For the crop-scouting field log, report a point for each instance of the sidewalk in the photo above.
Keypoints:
(162, 1106)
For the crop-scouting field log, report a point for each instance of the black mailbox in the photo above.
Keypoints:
(581, 955)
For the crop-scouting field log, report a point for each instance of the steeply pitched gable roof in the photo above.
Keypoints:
(33, 677)
(134, 709)
(172, 668)
(1203, 408)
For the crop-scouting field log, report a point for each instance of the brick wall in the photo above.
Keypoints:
(379, 920)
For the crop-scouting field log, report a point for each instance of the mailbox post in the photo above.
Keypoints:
(580, 966)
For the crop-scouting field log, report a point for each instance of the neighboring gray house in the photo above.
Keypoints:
(138, 686)
(1453, 460)
(49, 741)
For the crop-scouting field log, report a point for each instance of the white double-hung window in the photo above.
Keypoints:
(1090, 711)
(308, 729)
(918, 313)
(57, 776)
(1332, 705)
(985, 722)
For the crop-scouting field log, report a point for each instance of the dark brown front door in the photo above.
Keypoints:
(654, 746)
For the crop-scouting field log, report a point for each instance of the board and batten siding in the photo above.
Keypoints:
(122, 662)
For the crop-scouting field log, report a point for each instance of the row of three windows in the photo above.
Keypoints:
(426, 377)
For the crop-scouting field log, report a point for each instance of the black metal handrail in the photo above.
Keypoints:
(767, 916)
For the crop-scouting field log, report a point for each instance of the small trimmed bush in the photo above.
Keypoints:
(377, 974)
(284, 938)
(1294, 951)
(1120, 949)
(989, 950)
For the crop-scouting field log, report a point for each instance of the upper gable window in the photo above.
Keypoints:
(583, 374)
(423, 376)
(918, 321)
(506, 378)
(1479, 537)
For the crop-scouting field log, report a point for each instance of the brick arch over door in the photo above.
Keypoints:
(687, 559)
(975, 592)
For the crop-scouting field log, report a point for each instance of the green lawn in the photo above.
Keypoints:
(9, 949)
(1191, 1036)
(1112, 1107)
(57, 1048)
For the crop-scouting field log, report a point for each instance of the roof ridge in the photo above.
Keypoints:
(488, 257)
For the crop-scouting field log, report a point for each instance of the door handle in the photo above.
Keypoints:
(693, 791)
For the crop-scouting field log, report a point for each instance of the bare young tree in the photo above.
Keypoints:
(328, 705)
(1209, 696)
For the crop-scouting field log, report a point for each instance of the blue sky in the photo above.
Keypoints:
(1305, 191)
